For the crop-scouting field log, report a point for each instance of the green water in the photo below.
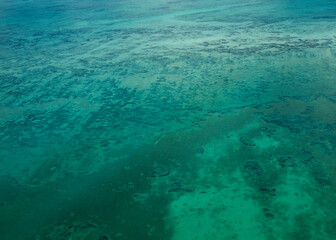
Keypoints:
(179, 120)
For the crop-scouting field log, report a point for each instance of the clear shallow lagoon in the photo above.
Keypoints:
(181, 120)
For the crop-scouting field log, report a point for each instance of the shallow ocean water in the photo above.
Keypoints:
(182, 120)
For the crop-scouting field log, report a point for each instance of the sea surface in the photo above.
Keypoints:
(168, 120)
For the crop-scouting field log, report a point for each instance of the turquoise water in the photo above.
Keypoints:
(181, 120)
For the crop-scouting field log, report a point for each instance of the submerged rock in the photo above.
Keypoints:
(140, 197)
(323, 181)
(160, 172)
(246, 142)
(253, 167)
(200, 150)
(104, 237)
(286, 161)
(180, 189)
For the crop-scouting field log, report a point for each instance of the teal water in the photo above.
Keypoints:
(181, 120)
